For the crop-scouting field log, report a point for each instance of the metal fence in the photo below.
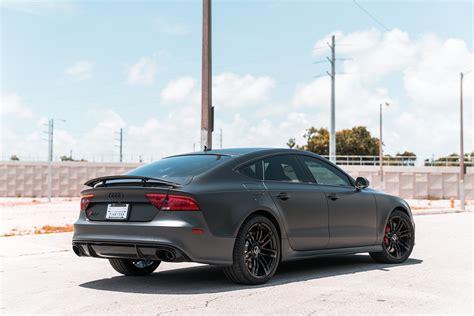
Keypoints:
(345, 160)
(354, 160)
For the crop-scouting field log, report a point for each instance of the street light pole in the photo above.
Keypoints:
(461, 154)
(382, 179)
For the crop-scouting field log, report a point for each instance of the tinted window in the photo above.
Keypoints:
(179, 169)
(283, 168)
(253, 170)
(324, 173)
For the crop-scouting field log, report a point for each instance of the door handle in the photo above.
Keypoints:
(283, 196)
(332, 196)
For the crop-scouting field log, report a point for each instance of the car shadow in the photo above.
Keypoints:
(211, 279)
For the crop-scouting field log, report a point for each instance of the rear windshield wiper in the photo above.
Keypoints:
(144, 180)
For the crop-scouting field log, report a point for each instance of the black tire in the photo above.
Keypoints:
(134, 267)
(257, 252)
(399, 239)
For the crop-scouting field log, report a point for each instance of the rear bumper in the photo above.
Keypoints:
(102, 249)
(144, 240)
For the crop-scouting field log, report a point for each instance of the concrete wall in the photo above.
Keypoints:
(30, 179)
(417, 182)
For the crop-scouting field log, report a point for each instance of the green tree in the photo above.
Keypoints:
(406, 154)
(354, 141)
(406, 158)
(291, 143)
(66, 158)
(14, 158)
(317, 141)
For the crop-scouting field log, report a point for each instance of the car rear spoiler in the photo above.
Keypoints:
(144, 180)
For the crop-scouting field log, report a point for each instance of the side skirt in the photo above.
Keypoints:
(289, 254)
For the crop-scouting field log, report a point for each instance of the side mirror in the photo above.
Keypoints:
(361, 183)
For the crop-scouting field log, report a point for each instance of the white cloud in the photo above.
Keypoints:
(354, 101)
(239, 131)
(231, 90)
(11, 104)
(142, 72)
(81, 70)
(418, 76)
(424, 116)
(180, 90)
(434, 80)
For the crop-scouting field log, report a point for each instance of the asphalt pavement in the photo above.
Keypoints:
(40, 274)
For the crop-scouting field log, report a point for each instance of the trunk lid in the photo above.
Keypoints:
(139, 207)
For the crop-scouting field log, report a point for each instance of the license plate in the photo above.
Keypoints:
(117, 211)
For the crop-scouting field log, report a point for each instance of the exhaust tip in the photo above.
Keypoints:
(77, 250)
(165, 255)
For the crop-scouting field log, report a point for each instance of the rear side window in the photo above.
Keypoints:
(179, 169)
(253, 170)
(283, 168)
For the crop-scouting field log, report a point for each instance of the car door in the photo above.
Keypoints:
(352, 212)
(302, 206)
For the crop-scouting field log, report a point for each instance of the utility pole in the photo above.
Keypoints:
(121, 145)
(461, 154)
(50, 156)
(382, 180)
(332, 134)
(207, 110)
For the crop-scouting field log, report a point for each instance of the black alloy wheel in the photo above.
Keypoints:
(260, 250)
(256, 252)
(398, 240)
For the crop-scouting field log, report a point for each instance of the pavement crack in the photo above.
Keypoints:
(211, 300)
(178, 310)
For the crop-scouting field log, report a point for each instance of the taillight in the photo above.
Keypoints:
(173, 202)
(156, 199)
(85, 200)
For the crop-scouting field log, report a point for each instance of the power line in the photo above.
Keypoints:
(371, 16)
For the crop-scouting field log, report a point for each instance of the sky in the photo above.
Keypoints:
(98, 66)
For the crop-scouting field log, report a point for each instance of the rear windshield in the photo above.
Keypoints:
(179, 169)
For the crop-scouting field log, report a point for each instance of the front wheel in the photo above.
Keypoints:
(134, 267)
(256, 252)
(398, 240)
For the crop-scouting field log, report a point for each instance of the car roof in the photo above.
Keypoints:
(232, 151)
(246, 151)
(240, 151)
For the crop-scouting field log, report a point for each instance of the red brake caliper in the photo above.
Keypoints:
(386, 240)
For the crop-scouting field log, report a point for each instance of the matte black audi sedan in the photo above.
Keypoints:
(244, 209)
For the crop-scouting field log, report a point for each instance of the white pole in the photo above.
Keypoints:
(50, 156)
(382, 180)
(461, 154)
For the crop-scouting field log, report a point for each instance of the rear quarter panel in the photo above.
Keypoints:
(228, 199)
